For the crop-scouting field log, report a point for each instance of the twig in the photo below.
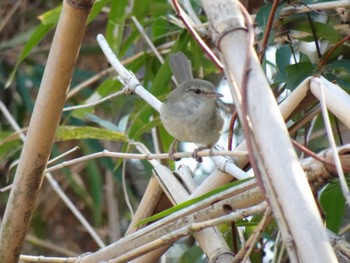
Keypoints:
(247, 248)
(267, 31)
(331, 50)
(126, 77)
(92, 104)
(230, 131)
(192, 14)
(244, 92)
(145, 156)
(55, 186)
(148, 40)
(202, 44)
(188, 229)
(88, 82)
(26, 258)
(125, 191)
(107, 71)
(11, 120)
(54, 247)
(313, 31)
(114, 227)
(312, 7)
(337, 125)
(6, 188)
(63, 155)
(7, 14)
(343, 183)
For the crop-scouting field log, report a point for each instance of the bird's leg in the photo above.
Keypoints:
(172, 150)
(195, 153)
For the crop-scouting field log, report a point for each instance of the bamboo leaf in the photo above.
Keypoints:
(190, 202)
(66, 133)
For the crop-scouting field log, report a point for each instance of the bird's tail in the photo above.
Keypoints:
(181, 67)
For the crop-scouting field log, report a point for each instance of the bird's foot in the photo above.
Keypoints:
(195, 153)
(172, 151)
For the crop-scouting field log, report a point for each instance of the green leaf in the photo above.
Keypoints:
(193, 255)
(190, 202)
(161, 80)
(339, 65)
(333, 204)
(51, 17)
(33, 41)
(95, 187)
(17, 39)
(323, 31)
(102, 122)
(115, 26)
(147, 127)
(262, 17)
(65, 133)
(296, 73)
(97, 9)
(283, 57)
(10, 144)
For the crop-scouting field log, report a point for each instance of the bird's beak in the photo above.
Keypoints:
(214, 95)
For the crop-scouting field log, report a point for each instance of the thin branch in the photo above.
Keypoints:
(7, 14)
(195, 35)
(267, 31)
(330, 135)
(331, 51)
(88, 82)
(11, 120)
(312, 7)
(313, 31)
(125, 190)
(126, 77)
(92, 104)
(107, 71)
(148, 40)
(244, 93)
(230, 130)
(186, 230)
(192, 14)
(54, 247)
(246, 250)
(42, 259)
(63, 155)
(55, 186)
(145, 156)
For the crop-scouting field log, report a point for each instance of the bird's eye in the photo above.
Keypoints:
(196, 91)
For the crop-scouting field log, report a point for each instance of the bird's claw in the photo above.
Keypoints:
(172, 151)
(195, 153)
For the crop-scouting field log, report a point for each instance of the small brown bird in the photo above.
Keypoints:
(190, 111)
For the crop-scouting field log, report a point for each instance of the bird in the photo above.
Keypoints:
(190, 112)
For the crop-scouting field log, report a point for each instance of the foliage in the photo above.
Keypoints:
(119, 122)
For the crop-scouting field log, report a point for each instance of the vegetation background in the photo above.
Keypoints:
(26, 31)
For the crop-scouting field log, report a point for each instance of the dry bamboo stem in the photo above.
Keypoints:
(285, 174)
(42, 128)
(241, 196)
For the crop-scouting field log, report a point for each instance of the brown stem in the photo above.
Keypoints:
(313, 30)
(200, 41)
(230, 131)
(331, 50)
(246, 71)
(265, 39)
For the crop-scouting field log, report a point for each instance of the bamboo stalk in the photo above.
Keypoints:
(282, 175)
(42, 128)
